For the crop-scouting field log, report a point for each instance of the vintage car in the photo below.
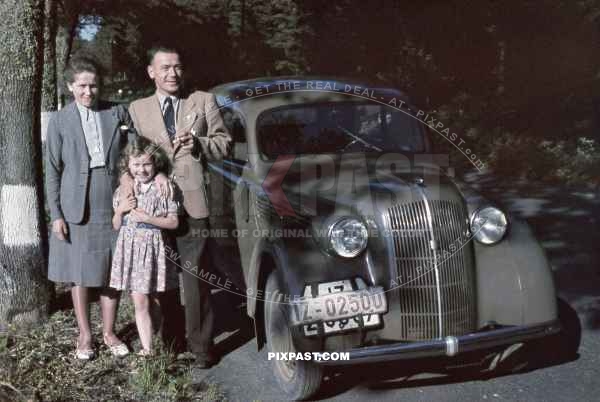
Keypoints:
(352, 238)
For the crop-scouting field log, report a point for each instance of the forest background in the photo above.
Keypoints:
(518, 80)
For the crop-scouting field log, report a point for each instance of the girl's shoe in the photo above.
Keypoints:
(145, 353)
(117, 349)
(84, 354)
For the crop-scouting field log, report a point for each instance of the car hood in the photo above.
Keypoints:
(360, 183)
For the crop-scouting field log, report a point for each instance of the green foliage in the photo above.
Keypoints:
(482, 70)
(575, 161)
(160, 378)
(569, 155)
(571, 162)
(39, 365)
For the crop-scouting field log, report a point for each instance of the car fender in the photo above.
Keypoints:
(258, 269)
(515, 285)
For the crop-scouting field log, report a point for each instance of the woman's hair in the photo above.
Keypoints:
(141, 146)
(80, 64)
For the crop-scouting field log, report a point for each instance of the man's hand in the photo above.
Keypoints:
(185, 140)
(139, 215)
(60, 229)
(164, 185)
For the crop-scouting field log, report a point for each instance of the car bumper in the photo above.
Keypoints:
(449, 346)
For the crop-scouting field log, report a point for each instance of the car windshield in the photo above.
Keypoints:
(338, 128)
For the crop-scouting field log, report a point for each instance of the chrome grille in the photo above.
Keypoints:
(434, 269)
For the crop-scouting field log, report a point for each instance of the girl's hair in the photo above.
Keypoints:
(80, 64)
(141, 146)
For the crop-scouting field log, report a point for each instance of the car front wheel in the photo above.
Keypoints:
(298, 378)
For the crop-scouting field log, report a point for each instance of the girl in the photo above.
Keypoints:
(140, 263)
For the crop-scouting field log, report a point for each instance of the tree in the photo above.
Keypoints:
(49, 93)
(24, 291)
(68, 12)
(268, 36)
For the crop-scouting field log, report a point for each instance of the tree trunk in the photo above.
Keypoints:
(24, 291)
(63, 49)
(49, 90)
(68, 17)
(49, 94)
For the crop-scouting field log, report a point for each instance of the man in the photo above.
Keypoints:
(190, 130)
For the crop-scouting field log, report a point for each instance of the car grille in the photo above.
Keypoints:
(435, 283)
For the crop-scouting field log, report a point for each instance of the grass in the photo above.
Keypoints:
(39, 365)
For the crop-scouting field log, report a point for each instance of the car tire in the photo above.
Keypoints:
(299, 379)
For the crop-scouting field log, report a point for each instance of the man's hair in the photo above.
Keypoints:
(161, 48)
(80, 64)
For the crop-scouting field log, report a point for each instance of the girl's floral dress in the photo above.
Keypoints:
(140, 262)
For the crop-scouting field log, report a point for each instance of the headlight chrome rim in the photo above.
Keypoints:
(491, 231)
(333, 239)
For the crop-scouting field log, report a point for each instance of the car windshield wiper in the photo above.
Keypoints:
(356, 138)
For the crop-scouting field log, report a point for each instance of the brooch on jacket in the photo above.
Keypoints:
(126, 129)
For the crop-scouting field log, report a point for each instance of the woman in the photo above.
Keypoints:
(83, 146)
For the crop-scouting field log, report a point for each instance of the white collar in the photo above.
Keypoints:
(143, 188)
(84, 111)
(162, 98)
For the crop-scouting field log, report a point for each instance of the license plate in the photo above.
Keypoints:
(343, 325)
(340, 305)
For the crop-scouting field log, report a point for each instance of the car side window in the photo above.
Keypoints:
(234, 123)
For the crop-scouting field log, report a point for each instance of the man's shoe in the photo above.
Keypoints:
(205, 361)
(186, 356)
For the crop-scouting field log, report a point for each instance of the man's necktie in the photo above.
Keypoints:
(170, 117)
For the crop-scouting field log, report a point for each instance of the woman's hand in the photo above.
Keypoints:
(60, 229)
(139, 215)
(127, 184)
(126, 204)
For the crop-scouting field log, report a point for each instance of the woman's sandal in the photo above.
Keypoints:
(84, 354)
(117, 349)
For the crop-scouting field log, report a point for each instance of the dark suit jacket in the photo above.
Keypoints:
(68, 161)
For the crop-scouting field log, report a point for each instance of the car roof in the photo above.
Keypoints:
(269, 92)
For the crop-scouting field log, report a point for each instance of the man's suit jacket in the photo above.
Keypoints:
(68, 161)
(200, 115)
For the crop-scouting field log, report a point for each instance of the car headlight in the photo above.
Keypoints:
(348, 237)
(489, 225)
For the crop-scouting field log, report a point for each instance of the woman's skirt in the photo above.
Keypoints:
(84, 259)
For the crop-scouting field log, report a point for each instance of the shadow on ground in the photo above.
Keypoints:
(475, 366)
(233, 327)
